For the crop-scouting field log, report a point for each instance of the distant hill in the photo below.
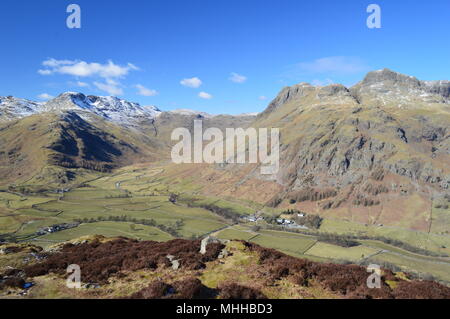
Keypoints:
(75, 131)
(375, 153)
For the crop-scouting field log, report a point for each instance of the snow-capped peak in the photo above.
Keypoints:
(111, 108)
(190, 112)
(248, 114)
(12, 108)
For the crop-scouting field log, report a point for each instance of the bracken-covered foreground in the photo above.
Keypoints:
(125, 268)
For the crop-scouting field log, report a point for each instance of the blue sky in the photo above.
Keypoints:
(221, 56)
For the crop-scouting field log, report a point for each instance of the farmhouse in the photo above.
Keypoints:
(282, 221)
(252, 218)
(56, 228)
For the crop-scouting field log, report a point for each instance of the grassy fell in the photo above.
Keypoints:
(133, 269)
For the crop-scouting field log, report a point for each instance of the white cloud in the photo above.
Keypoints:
(53, 63)
(333, 65)
(86, 69)
(109, 72)
(44, 72)
(205, 95)
(262, 98)
(237, 78)
(110, 86)
(142, 90)
(81, 84)
(45, 96)
(192, 82)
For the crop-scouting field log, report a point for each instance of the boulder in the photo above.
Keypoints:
(206, 241)
(175, 262)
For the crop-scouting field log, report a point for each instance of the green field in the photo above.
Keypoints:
(430, 241)
(439, 270)
(143, 195)
(330, 251)
(97, 202)
(107, 229)
(294, 244)
(233, 233)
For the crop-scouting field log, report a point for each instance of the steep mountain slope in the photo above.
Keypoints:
(388, 88)
(65, 140)
(376, 153)
(109, 108)
(13, 108)
(74, 131)
(166, 122)
(341, 131)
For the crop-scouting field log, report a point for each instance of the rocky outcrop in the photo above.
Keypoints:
(386, 87)
(287, 94)
(207, 241)
(388, 129)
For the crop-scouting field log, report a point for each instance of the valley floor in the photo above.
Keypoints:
(136, 202)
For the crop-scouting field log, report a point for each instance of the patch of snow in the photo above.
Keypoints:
(191, 112)
(15, 108)
(110, 108)
(249, 114)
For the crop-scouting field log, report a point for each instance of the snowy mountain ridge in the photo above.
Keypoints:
(110, 108)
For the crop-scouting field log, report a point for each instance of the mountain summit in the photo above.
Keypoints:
(386, 86)
(110, 108)
(379, 87)
(12, 108)
(377, 152)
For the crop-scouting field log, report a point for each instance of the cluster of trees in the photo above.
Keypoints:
(292, 212)
(310, 221)
(124, 195)
(274, 201)
(25, 190)
(378, 174)
(80, 163)
(303, 195)
(224, 212)
(311, 194)
(333, 204)
(170, 229)
(339, 240)
(366, 202)
(271, 220)
(375, 189)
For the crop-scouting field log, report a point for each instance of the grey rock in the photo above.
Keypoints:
(223, 254)
(206, 241)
